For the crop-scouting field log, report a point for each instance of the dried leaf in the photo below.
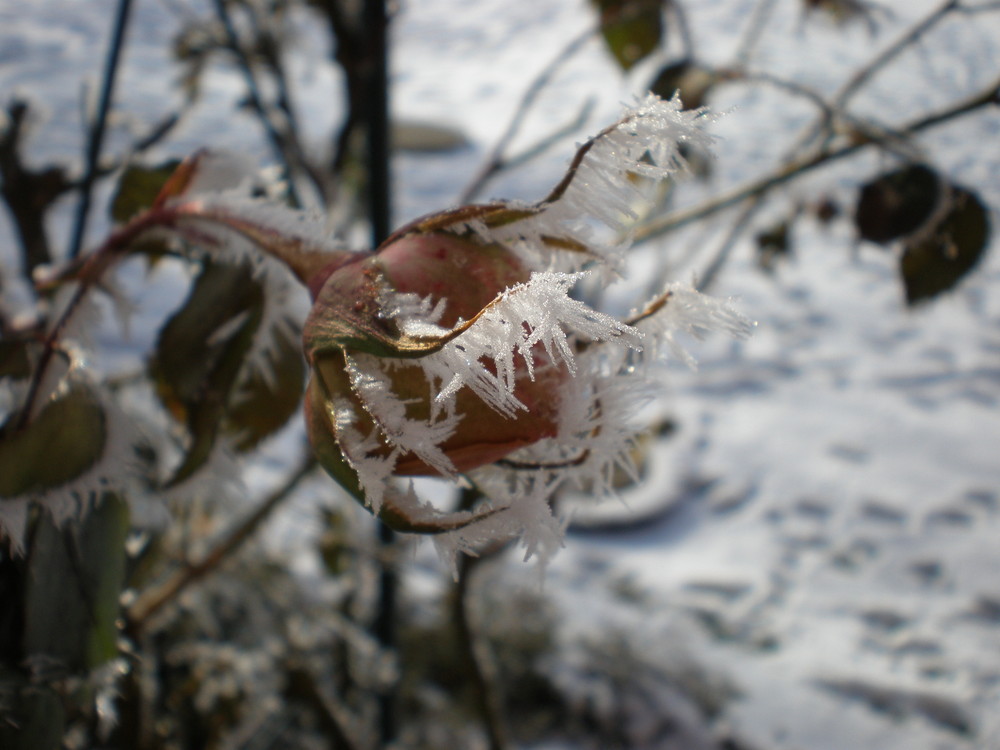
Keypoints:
(935, 260)
(691, 81)
(897, 203)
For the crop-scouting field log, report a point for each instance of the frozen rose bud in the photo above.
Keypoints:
(352, 315)
(459, 343)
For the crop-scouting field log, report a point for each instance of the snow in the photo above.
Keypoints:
(834, 486)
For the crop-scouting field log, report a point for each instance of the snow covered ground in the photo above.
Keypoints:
(835, 481)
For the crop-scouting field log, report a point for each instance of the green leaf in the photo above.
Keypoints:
(632, 29)
(897, 203)
(262, 405)
(936, 259)
(198, 366)
(74, 580)
(138, 188)
(71, 427)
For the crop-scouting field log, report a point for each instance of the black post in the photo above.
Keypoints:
(376, 118)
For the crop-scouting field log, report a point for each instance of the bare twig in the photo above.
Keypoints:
(758, 21)
(683, 28)
(97, 130)
(333, 717)
(153, 600)
(496, 161)
(910, 37)
(284, 140)
(707, 277)
(28, 193)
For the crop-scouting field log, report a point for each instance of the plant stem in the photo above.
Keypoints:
(152, 601)
(476, 652)
(376, 121)
(99, 127)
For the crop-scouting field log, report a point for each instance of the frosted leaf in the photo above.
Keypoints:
(281, 293)
(681, 308)
(413, 313)
(598, 428)
(115, 469)
(597, 199)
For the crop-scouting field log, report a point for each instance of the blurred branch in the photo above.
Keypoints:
(333, 718)
(477, 656)
(476, 652)
(851, 144)
(711, 272)
(284, 139)
(758, 22)
(867, 72)
(27, 193)
(496, 162)
(683, 28)
(97, 130)
(155, 598)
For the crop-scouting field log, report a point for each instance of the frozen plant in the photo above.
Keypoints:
(456, 349)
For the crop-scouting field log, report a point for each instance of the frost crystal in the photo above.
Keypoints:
(597, 199)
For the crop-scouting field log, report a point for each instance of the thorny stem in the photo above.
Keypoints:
(99, 127)
(151, 602)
